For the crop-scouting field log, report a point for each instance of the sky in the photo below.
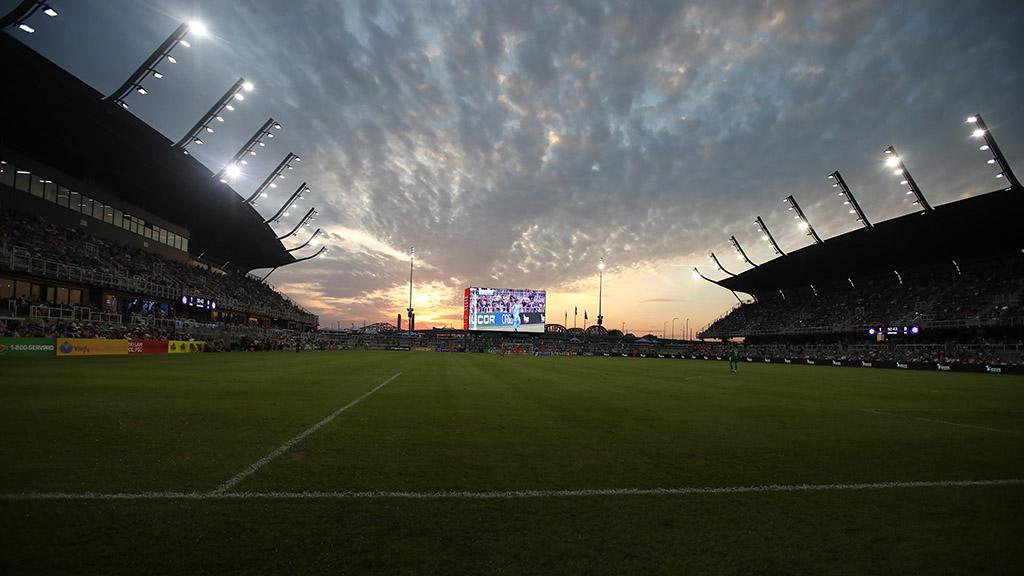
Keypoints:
(515, 143)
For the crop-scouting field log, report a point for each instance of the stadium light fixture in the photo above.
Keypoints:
(600, 285)
(848, 200)
(719, 264)
(261, 190)
(149, 65)
(311, 240)
(248, 149)
(23, 11)
(768, 236)
(302, 223)
(218, 107)
(893, 159)
(739, 249)
(283, 211)
(990, 145)
(802, 223)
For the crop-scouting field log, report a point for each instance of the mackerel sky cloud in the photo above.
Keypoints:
(515, 143)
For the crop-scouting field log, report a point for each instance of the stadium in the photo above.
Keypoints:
(164, 409)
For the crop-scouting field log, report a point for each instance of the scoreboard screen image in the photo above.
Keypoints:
(504, 310)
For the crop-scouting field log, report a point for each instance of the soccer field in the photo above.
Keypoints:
(432, 463)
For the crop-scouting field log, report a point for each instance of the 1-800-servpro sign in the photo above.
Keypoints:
(26, 347)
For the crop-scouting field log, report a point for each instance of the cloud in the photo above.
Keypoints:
(514, 143)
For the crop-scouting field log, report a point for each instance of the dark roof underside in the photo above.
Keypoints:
(51, 116)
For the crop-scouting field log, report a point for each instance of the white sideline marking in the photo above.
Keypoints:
(230, 483)
(509, 494)
(946, 422)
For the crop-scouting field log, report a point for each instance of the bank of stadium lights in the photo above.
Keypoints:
(981, 131)
(205, 124)
(303, 223)
(148, 68)
(718, 264)
(283, 211)
(248, 149)
(272, 179)
(312, 240)
(739, 250)
(19, 16)
(843, 191)
(321, 253)
(802, 221)
(893, 160)
(600, 285)
(767, 236)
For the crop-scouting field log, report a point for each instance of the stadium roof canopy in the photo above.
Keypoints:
(53, 117)
(978, 226)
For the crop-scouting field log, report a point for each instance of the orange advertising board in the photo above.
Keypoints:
(90, 347)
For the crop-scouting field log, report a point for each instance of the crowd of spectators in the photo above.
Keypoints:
(35, 237)
(970, 293)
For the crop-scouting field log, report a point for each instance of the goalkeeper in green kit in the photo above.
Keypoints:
(734, 359)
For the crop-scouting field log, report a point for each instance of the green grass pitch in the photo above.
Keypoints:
(462, 425)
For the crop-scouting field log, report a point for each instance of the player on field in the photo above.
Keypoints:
(734, 359)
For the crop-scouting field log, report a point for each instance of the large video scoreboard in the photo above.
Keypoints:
(504, 309)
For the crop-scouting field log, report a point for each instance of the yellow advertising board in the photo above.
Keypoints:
(90, 347)
(185, 346)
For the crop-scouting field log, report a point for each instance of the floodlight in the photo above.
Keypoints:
(185, 43)
(978, 133)
(141, 90)
(233, 171)
(247, 86)
(50, 12)
(891, 161)
(27, 28)
(172, 60)
(239, 97)
(972, 119)
(197, 27)
(157, 75)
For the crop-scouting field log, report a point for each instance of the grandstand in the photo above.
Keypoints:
(108, 229)
(951, 276)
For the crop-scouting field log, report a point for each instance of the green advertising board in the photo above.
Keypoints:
(26, 347)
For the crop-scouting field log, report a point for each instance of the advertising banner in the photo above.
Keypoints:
(185, 346)
(147, 346)
(26, 347)
(90, 347)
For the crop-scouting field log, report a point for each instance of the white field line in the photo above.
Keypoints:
(946, 422)
(231, 482)
(509, 494)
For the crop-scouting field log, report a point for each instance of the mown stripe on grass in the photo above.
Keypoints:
(511, 494)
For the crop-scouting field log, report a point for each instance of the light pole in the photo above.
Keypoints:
(412, 316)
(295, 197)
(687, 328)
(767, 236)
(214, 113)
(674, 328)
(892, 160)
(664, 329)
(148, 66)
(982, 131)
(844, 192)
(803, 223)
(234, 167)
(271, 180)
(600, 284)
